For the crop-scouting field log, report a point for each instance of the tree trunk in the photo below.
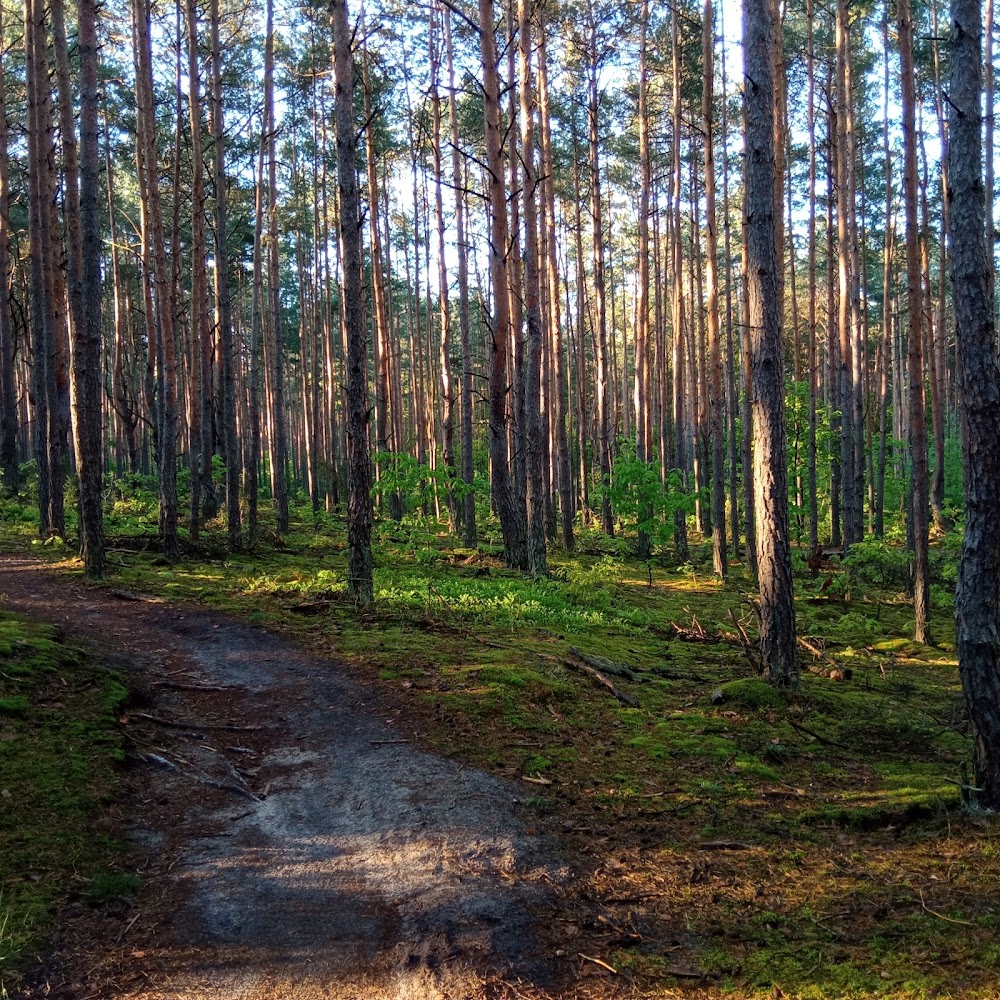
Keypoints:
(234, 524)
(559, 397)
(159, 286)
(88, 380)
(978, 594)
(989, 125)
(680, 420)
(887, 260)
(444, 309)
(918, 428)
(936, 329)
(202, 491)
(600, 305)
(852, 526)
(9, 477)
(468, 468)
(252, 483)
(731, 392)
(359, 505)
(833, 381)
(643, 426)
(534, 429)
(511, 523)
(812, 373)
(716, 398)
(48, 294)
(777, 611)
(274, 347)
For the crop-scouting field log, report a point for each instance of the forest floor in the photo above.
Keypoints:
(292, 842)
(671, 844)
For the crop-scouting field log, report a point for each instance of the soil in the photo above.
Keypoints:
(293, 842)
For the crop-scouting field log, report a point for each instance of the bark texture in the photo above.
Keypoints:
(511, 521)
(774, 567)
(88, 381)
(359, 503)
(919, 498)
(978, 594)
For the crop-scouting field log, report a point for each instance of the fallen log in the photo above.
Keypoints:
(678, 675)
(833, 670)
(833, 673)
(175, 724)
(603, 665)
(596, 675)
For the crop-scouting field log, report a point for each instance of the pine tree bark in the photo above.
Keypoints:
(48, 291)
(88, 376)
(535, 429)
(223, 298)
(41, 319)
(732, 401)
(359, 504)
(600, 303)
(66, 272)
(919, 499)
(936, 329)
(643, 425)
(511, 522)
(200, 449)
(989, 126)
(379, 298)
(274, 346)
(886, 339)
(444, 307)
(9, 477)
(813, 373)
(833, 381)
(978, 593)
(469, 533)
(159, 289)
(714, 375)
(852, 530)
(680, 419)
(251, 486)
(559, 390)
(777, 611)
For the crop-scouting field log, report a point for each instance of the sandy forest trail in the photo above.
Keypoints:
(295, 845)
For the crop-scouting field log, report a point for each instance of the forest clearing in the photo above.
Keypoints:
(498, 499)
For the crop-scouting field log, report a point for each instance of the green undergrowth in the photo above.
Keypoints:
(59, 752)
(841, 798)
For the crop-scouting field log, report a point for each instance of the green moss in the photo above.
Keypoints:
(536, 763)
(58, 753)
(753, 694)
(106, 886)
(750, 766)
(830, 785)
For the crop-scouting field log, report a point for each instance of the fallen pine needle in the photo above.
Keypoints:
(597, 961)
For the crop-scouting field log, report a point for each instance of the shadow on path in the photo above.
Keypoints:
(298, 846)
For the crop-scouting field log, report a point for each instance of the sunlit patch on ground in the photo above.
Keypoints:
(815, 843)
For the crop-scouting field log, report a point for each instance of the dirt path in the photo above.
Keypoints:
(296, 845)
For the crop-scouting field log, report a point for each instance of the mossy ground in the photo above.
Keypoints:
(813, 842)
(59, 753)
